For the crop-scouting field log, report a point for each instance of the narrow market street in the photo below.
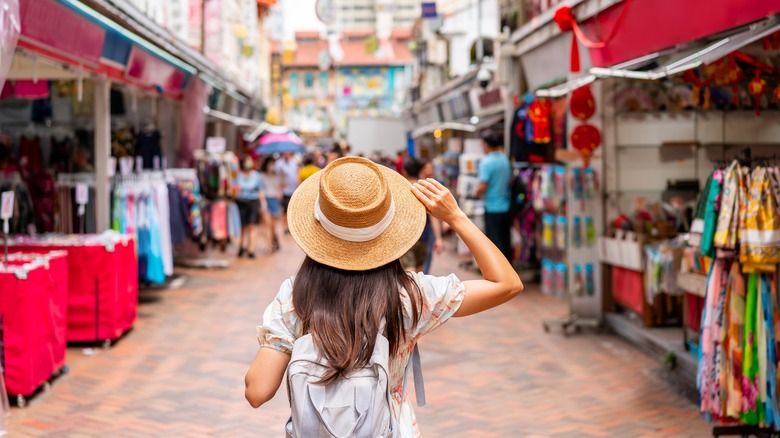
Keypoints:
(179, 373)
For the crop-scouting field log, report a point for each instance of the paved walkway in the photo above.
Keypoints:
(180, 372)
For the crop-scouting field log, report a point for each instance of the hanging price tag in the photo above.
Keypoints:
(82, 198)
(216, 145)
(111, 167)
(7, 210)
(126, 166)
(139, 164)
(156, 162)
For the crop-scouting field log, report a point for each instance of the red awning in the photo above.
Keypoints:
(650, 26)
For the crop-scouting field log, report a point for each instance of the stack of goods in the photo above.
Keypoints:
(33, 309)
(739, 227)
(102, 281)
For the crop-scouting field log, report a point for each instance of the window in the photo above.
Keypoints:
(294, 82)
(308, 80)
(324, 82)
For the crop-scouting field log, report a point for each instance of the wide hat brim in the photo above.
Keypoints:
(404, 231)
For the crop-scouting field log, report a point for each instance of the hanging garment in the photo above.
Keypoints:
(711, 210)
(711, 352)
(728, 216)
(179, 211)
(155, 271)
(30, 155)
(162, 208)
(26, 89)
(697, 226)
(760, 228)
(234, 222)
(148, 147)
(735, 297)
(60, 154)
(751, 402)
(218, 221)
(770, 308)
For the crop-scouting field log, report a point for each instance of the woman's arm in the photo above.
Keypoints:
(500, 283)
(265, 375)
(438, 246)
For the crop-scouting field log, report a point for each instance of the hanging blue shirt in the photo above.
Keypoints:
(496, 171)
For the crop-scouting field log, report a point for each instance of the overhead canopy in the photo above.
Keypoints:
(694, 57)
(673, 61)
(463, 125)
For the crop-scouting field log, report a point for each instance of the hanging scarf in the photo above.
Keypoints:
(751, 401)
(770, 308)
(697, 226)
(711, 352)
(728, 216)
(711, 210)
(760, 225)
(735, 297)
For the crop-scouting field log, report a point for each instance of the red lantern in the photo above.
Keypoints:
(756, 87)
(582, 103)
(585, 139)
(776, 94)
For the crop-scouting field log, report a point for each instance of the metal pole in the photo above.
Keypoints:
(480, 48)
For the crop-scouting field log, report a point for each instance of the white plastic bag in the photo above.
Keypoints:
(10, 27)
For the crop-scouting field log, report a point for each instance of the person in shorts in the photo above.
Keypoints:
(273, 199)
(250, 201)
(287, 168)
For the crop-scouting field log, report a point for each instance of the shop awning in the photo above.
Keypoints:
(463, 125)
(676, 61)
(566, 87)
(694, 57)
(238, 121)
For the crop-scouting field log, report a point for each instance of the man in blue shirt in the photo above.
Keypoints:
(494, 177)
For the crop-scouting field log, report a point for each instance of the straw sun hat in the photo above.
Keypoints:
(355, 215)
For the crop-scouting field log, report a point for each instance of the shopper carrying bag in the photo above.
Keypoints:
(348, 322)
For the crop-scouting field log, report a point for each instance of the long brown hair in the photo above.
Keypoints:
(343, 311)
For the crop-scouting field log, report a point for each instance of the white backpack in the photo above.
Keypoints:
(354, 406)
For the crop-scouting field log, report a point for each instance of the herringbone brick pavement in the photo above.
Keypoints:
(180, 372)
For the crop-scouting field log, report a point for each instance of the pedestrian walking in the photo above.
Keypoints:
(308, 169)
(419, 258)
(494, 177)
(352, 305)
(251, 201)
(273, 199)
(287, 169)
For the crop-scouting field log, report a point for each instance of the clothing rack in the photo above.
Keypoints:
(74, 179)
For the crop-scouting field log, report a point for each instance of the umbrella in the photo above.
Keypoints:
(274, 143)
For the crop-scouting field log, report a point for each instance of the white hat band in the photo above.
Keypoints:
(354, 234)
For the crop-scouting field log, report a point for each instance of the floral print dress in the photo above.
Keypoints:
(441, 298)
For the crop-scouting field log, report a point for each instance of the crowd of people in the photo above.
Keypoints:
(267, 187)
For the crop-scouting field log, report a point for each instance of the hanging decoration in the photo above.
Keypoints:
(582, 103)
(585, 139)
(540, 115)
(776, 94)
(567, 22)
(756, 88)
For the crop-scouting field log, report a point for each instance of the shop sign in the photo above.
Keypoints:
(216, 145)
(459, 106)
(53, 26)
(490, 98)
(7, 210)
(429, 10)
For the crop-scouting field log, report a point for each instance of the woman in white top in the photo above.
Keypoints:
(354, 220)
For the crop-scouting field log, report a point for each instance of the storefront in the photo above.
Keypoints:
(654, 119)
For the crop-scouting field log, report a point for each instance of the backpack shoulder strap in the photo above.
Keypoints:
(419, 384)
